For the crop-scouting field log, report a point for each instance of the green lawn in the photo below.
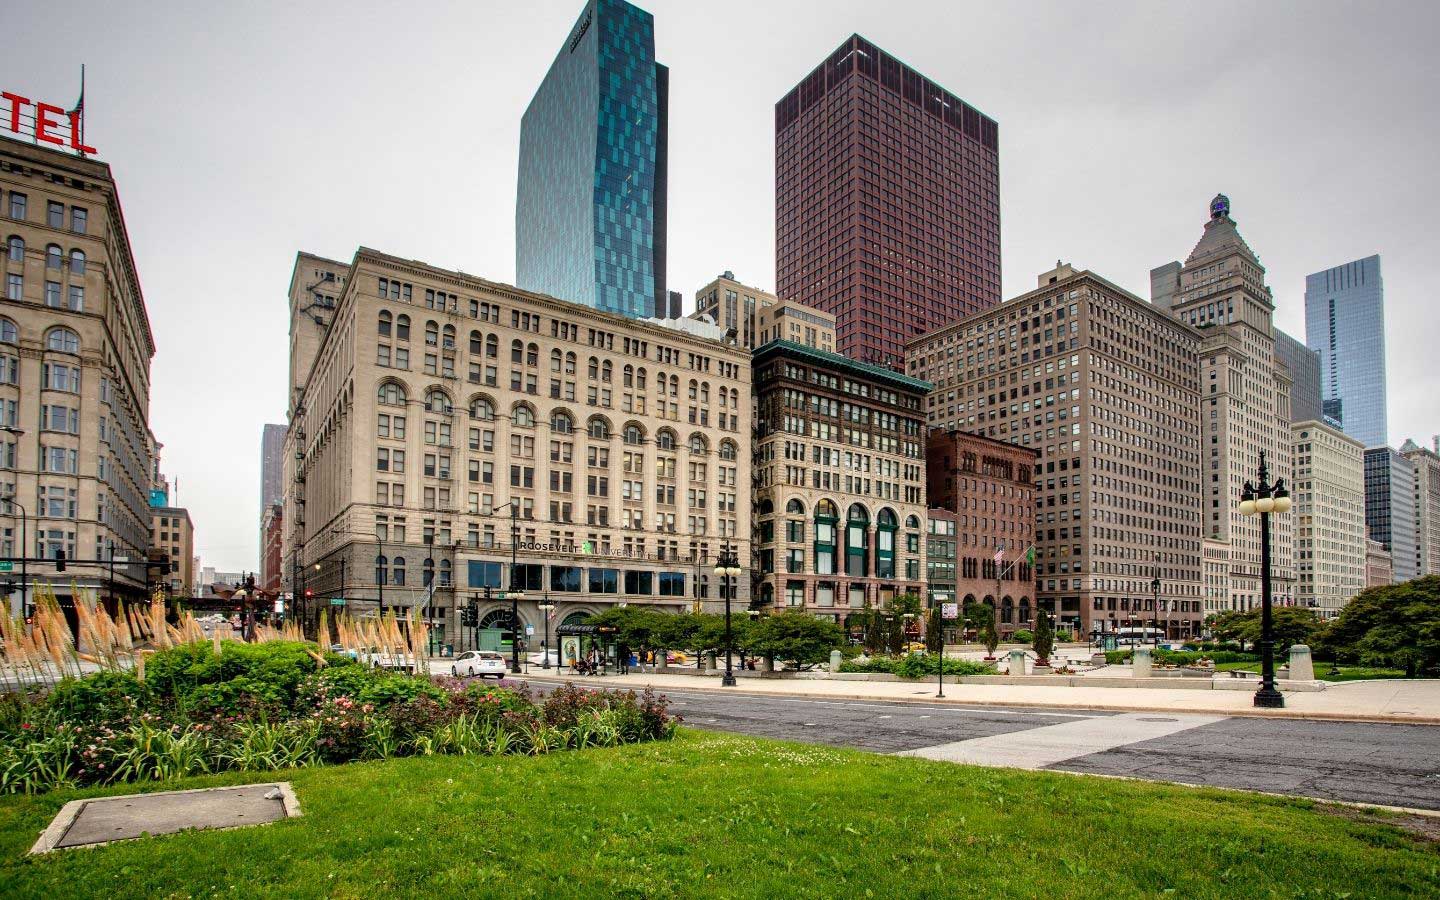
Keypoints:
(712, 815)
(1322, 671)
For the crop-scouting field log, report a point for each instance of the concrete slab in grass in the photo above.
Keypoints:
(89, 823)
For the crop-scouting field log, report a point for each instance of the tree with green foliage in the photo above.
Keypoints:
(1044, 638)
(874, 630)
(984, 616)
(934, 631)
(894, 634)
(1289, 625)
(1395, 625)
(635, 627)
(794, 636)
(905, 603)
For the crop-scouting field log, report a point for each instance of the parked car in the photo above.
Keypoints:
(478, 663)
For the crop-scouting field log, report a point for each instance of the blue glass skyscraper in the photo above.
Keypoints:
(1345, 322)
(590, 202)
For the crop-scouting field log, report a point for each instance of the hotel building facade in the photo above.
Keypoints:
(440, 413)
(76, 451)
(1105, 390)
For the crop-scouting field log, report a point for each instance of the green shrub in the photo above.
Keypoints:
(100, 697)
(917, 665)
(1023, 636)
(273, 671)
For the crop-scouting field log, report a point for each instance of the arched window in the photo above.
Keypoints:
(445, 573)
(482, 408)
(492, 346)
(727, 449)
(9, 334)
(599, 429)
(53, 256)
(437, 401)
(517, 352)
(606, 371)
(397, 570)
(697, 444)
(62, 339)
(912, 522)
(391, 394)
(432, 334)
(570, 363)
(665, 439)
(17, 248)
(825, 519)
(627, 376)
(634, 434)
(532, 355)
(795, 506)
(857, 541)
(447, 337)
(77, 262)
(885, 527)
(766, 507)
(524, 415)
(385, 322)
(561, 423)
(556, 360)
(640, 379)
(380, 563)
(402, 328)
(427, 575)
(477, 343)
(593, 368)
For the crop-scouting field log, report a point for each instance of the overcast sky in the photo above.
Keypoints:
(243, 132)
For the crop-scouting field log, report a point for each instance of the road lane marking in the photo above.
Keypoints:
(1036, 748)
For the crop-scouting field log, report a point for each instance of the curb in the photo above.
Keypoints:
(1030, 704)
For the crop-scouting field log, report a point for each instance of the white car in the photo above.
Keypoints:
(480, 663)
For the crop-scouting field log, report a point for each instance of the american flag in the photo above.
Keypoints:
(999, 554)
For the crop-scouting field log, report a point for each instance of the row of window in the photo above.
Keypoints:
(54, 213)
(54, 255)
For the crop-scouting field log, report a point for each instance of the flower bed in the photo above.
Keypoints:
(916, 665)
(257, 707)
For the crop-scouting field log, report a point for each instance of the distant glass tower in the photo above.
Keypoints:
(1345, 321)
(590, 203)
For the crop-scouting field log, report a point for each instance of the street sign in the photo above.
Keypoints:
(337, 601)
(949, 610)
(529, 630)
(7, 566)
(499, 595)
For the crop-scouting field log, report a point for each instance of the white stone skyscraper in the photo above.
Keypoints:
(1244, 401)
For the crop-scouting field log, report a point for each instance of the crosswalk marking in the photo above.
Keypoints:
(1036, 748)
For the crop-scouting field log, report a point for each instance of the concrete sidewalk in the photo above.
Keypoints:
(1393, 701)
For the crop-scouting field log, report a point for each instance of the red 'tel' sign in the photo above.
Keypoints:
(48, 122)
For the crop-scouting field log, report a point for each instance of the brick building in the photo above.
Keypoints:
(988, 485)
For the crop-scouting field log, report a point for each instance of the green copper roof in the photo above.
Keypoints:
(844, 363)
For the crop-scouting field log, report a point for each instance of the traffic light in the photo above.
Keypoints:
(59, 560)
(468, 616)
(309, 594)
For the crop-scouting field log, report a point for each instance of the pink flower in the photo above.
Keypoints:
(25, 725)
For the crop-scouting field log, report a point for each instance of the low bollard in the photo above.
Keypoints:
(1302, 666)
(1017, 662)
(835, 657)
(1140, 664)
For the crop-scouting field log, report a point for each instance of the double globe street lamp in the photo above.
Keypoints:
(727, 567)
(1263, 499)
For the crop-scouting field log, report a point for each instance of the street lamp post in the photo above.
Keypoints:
(24, 549)
(726, 568)
(1155, 613)
(545, 610)
(1263, 499)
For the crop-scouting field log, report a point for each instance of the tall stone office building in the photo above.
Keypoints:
(1329, 510)
(1345, 322)
(1244, 402)
(76, 451)
(839, 482)
(1105, 388)
(434, 404)
(887, 201)
(590, 204)
(1426, 461)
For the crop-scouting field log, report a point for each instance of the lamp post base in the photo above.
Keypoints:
(727, 680)
(1269, 698)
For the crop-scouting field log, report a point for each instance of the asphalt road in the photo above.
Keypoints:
(1389, 765)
